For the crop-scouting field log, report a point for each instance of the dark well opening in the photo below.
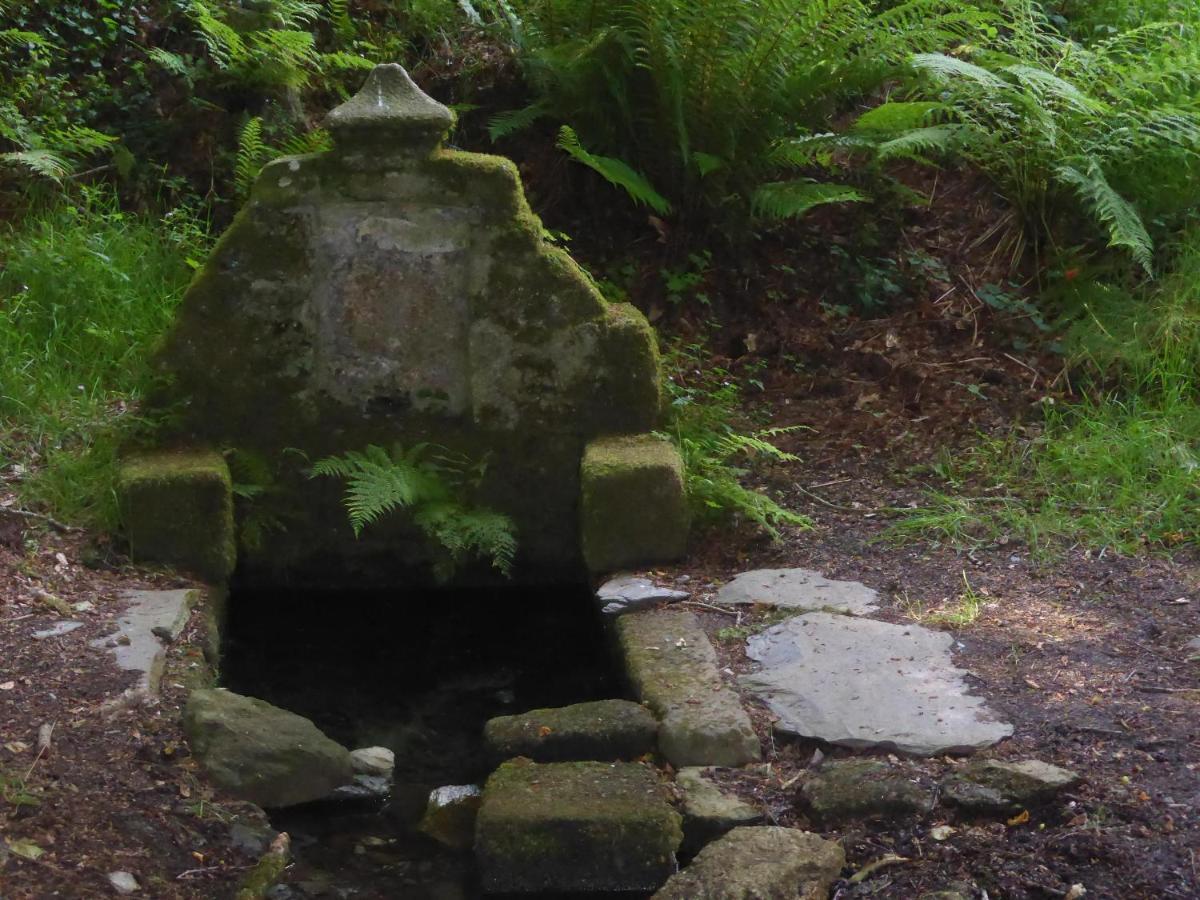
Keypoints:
(417, 671)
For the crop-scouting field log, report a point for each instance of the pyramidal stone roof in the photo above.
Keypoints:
(390, 110)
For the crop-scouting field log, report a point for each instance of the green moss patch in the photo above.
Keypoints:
(177, 508)
(602, 730)
(582, 826)
(634, 508)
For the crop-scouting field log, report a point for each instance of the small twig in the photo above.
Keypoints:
(708, 606)
(29, 514)
(45, 736)
(872, 867)
(1157, 689)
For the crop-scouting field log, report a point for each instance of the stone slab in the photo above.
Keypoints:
(627, 593)
(862, 683)
(800, 589)
(844, 790)
(600, 730)
(672, 668)
(56, 630)
(583, 826)
(996, 786)
(137, 644)
(760, 863)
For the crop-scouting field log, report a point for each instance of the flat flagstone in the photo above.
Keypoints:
(137, 644)
(800, 589)
(626, 593)
(862, 683)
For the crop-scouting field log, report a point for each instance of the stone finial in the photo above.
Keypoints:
(390, 113)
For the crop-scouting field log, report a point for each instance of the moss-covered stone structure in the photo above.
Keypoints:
(393, 291)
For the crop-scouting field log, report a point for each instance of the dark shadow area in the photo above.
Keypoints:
(418, 672)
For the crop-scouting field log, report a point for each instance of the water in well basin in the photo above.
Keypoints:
(417, 672)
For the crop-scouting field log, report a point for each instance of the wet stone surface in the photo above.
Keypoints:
(862, 683)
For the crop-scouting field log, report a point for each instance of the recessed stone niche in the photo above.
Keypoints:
(394, 291)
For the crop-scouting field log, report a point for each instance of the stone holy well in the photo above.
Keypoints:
(393, 291)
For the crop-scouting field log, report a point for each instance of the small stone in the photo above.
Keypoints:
(450, 815)
(993, 787)
(1192, 647)
(708, 811)
(252, 840)
(601, 730)
(124, 882)
(57, 630)
(759, 863)
(799, 589)
(845, 790)
(627, 593)
(373, 761)
(365, 789)
(561, 828)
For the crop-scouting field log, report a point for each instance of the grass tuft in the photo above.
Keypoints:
(85, 292)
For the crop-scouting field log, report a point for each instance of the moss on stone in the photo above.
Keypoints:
(634, 510)
(177, 508)
(581, 826)
(270, 353)
(601, 730)
(264, 875)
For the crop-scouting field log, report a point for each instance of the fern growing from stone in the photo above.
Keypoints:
(433, 489)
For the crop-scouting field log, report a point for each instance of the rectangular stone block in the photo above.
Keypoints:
(673, 669)
(634, 506)
(582, 826)
(177, 508)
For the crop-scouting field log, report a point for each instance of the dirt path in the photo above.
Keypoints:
(114, 791)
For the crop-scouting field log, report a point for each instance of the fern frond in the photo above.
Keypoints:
(615, 171)
(251, 154)
(316, 141)
(945, 68)
(463, 533)
(40, 162)
(1125, 226)
(503, 124)
(790, 199)
(339, 16)
(15, 37)
(172, 62)
(344, 62)
(77, 140)
(896, 116)
(920, 141)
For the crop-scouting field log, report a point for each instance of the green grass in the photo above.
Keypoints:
(1118, 469)
(85, 291)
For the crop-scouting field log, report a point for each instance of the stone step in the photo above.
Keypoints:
(759, 862)
(600, 730)
(581, 826)
(672, 668)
